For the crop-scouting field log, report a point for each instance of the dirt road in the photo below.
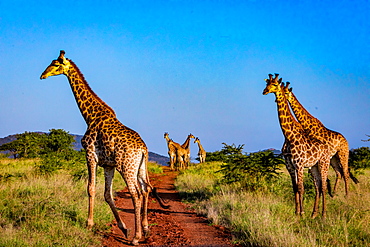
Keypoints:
(175, 226)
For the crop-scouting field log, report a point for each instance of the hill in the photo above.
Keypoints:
(153, 157)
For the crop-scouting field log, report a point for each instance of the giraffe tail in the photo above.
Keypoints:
(161, 202)
(354, 179)
(153, 190)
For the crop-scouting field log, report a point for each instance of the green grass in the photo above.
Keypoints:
(267, 218)
(47, 210)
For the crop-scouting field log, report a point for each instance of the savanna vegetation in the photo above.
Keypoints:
(43, 199)
(251, 194)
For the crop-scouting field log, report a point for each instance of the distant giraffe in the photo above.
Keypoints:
(111, 145)
(176, 152)
(201, 153)
(186, 146)
(336, 143)
(172, 151)
(304, 151)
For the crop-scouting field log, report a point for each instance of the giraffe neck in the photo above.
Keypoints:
(90, 105)
(168, 140)
(186, 143)
(200, 146)
(308, 122)
(288, 124)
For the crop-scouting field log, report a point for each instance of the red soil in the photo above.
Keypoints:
(175, 226)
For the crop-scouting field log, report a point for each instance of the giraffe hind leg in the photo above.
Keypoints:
(335, 163)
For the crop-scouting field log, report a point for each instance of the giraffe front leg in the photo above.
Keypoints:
(324, 177)
(91, 191)
(300, 188)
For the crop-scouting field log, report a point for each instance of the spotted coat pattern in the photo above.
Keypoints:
(305, 152)
(201, 152)
(336, 142)
(109, 144)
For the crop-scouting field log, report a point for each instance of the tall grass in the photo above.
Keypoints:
(266, 218)
(46, 210)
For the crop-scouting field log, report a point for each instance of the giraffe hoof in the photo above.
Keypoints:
(126, 232)
(146, 233)
(135, 242)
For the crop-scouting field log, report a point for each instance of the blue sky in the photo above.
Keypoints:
(188, 66)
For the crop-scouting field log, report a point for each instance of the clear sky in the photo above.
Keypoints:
(188, 66)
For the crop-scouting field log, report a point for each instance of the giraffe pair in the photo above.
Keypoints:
(179, 154)
(308, 144)
(111, 145)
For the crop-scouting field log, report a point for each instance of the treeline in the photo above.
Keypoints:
(254, 169)
(55, 149)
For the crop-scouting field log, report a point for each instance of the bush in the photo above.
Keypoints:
(359, 159)
(252, 171)
(224, 152)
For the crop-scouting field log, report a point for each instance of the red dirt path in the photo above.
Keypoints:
(175, 226)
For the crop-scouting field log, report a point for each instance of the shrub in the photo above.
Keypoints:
(359, 159)
(253, 170)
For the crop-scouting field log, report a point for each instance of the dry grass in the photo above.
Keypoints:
(38, 210)
(267, 219)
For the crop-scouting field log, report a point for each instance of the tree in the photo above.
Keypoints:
(60, 142)
(359, 158)
(224, 152)
(27, 145)
(32, 144)
(368, 140)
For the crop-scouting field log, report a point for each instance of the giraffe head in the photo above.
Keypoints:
(272, 84)
(57, 67)
(197, 140)
(166, 136)
(191, 136)
(287, 91)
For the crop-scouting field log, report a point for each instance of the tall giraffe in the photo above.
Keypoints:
(111, 145)
(201, 153)
(177, 152)
(186, 146)
(304, 151)
(336, 142)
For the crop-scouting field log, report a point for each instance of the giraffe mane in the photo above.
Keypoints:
(89, 88)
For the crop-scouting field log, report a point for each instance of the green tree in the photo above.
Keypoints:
(252, 170)
(60, 142)
(359, 158)
(224, 152)
(27, 145)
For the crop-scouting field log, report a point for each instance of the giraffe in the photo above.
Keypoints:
(186, 146)
(177, 150)
(337, 143)
(305, 152)
(201, 153)
(171, 150)
(111, 145)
